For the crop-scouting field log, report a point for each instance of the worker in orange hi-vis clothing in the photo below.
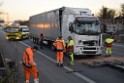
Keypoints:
(29, 65)
(60, 48)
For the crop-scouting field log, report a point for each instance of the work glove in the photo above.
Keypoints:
(34, 64)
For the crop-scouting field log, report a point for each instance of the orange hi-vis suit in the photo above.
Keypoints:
(59, 44)
(29, 64)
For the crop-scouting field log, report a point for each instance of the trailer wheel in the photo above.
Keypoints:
(37, 40)
(53, 48)
(33, 39)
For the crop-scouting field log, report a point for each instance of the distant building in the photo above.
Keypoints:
(2, 23)
(112, 25)
(119, 20)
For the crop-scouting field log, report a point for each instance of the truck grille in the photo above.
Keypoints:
(89, 52)
(90, 43)
(11, 35)
(89, 48)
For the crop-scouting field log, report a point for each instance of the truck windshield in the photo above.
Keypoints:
(25, 29)
(91, 28)
(12, 30)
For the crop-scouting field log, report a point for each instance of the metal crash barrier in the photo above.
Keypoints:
(7, 70)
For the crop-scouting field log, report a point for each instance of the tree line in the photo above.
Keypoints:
(111, 13)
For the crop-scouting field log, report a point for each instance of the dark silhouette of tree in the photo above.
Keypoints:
(122, 9)
(111, 13)
(103, 12)
(24, 22)
(106, 13)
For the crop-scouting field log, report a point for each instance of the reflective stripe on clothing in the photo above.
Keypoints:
(72, 58)
(71, 43)
(108, 51)
(108, 42)
(59, 57)
(28, 57)
(28, 71)
(62, 40)
(70, 47)
(59, 45)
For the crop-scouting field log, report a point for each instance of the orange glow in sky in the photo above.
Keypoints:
(23, 9)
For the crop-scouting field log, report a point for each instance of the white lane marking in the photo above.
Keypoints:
(80, 75)
(120, 66)
(65, 67)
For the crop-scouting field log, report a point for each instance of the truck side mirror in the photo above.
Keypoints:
(71, 28)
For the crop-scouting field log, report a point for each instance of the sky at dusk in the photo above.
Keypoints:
(23, 9)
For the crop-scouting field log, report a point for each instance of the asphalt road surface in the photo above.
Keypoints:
(50, 73)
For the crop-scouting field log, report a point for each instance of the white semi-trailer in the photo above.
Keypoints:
(78, 23)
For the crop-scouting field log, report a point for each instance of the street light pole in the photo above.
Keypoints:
(7, 16)
(1, 3)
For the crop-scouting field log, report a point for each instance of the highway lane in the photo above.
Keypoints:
(49, 73)
(117, 50)
(99, 75)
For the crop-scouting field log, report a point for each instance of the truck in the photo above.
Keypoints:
(17, 32)
(25, 31)
(79, 23)
(13, 33)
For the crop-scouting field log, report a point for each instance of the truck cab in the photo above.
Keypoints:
(79, 23)
(25, 31)
(13, 33)
(85, 29)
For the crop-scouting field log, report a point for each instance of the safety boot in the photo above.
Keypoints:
(72, 63)
(57, 64)
(36, 80)
(27, 81)
(61, 65)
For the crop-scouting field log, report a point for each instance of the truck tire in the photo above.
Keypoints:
(33, 39)
(53, 48)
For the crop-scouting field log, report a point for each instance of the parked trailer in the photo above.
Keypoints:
(78, 23)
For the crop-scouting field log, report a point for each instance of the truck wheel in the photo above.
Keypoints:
(33, 39)
(37, 41)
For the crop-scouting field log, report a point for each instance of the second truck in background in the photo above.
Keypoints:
(78, 23)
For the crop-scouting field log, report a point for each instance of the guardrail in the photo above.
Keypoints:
(7, 70)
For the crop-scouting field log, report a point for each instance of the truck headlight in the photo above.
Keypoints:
(77, 50)
(7, 37)
(17, 37)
